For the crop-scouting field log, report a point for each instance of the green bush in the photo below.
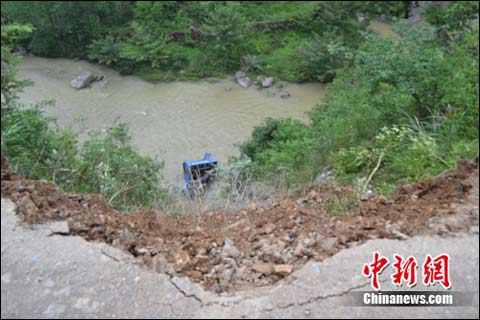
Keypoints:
(36, 149)
(66, 28)
(323, 56)
(104, 164)
(279, 148)
(111, 167)
(453, 16)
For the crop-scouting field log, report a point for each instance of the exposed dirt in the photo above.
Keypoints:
(256, 246)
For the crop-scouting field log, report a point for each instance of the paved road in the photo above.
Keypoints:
(53, 276)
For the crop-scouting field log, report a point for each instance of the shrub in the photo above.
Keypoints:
(323, 56)
(111, 167)
(279, 148)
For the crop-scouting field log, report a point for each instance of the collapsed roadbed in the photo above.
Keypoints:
(227, 251)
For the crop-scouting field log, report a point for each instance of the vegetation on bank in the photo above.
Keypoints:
(407, 108)
(164, 40)
(398, 109)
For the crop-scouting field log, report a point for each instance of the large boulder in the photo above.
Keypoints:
(242, 79)
(84, 79)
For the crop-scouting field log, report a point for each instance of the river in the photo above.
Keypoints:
(174, 121)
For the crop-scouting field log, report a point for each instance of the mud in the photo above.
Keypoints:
(227, 251)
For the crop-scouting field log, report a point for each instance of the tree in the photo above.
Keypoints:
(10, 86)
(225, 28)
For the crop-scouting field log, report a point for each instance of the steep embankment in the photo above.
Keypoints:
(255, 246)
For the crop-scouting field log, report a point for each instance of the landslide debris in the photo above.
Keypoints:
(255, 246)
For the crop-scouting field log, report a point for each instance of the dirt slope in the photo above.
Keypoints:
(256, 246)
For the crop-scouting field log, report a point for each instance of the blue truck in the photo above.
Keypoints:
(199, 173)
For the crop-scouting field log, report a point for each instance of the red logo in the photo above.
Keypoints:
(437, 270)
(405, 271)
(434, 270)
(375, 268)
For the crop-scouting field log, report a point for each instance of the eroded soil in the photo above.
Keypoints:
(257, 246)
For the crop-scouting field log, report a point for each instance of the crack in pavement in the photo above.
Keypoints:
(186, 295)
(315, 299)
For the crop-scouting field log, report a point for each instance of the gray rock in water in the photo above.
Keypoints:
(267, 82)
(242, 79)
(285, 95)
(83, 80)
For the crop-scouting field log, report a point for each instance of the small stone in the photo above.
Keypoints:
(182, 261)
(126, 236)
(269, 228)
(283, 269)
(301, 250)
(230, 251)
(285, 95)
(143, 251)
(328, 243)
(263, 268)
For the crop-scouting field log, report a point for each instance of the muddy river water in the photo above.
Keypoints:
(174, 121)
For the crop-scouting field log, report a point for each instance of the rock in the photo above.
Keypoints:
(228, 274)
(302, 248)
(283, 269)
(240, 74)
(263, 268)
(126, 236)
(300, 201)
(312, 195)
(328, 243)
(27, 205)
(60, 227)
(83, 80)
(269, 228)
(265, 82)
(394, 230)
(285, 95)
(143, 251)
(325, 175)
(242, 79)
(230, 251)
(182, 261)
(242, 272)
(245, 82)
(367, 195)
